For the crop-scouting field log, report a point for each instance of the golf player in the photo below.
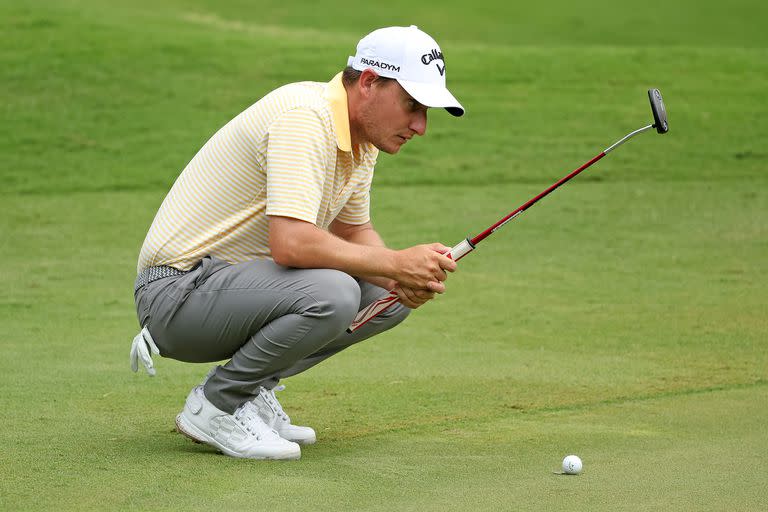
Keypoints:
(263, 251)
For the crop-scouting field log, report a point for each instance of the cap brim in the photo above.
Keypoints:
(432, 95)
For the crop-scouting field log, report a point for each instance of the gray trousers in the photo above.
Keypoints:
(270, 321)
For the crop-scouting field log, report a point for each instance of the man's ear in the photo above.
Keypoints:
(366, 81)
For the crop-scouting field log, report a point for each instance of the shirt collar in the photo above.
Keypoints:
(337, 97)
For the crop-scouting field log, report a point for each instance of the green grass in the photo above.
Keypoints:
(623, 319)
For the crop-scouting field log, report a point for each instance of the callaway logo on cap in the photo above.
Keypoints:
(411, 57)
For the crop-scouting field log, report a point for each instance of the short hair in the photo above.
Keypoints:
(350, 76)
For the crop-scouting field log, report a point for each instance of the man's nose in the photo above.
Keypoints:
(419, 122)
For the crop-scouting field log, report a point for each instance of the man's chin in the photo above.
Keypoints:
(390, 149)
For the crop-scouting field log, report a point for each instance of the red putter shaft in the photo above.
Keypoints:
(462, 249)
(468, 245)
(482, 236)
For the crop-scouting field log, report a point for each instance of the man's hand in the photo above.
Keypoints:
(423, 267)
(411, 298)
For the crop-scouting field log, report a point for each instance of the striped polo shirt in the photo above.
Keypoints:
(289, 154)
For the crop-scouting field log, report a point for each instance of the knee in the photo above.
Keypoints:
(348, 297)
(337, 294)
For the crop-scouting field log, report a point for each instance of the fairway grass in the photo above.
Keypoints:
(622, 319)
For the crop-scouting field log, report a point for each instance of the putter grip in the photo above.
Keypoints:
(374, 308)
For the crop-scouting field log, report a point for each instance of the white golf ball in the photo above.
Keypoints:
(572, 465)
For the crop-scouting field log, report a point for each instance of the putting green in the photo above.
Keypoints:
(622, 319)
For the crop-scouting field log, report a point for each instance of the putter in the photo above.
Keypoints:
(468, 245)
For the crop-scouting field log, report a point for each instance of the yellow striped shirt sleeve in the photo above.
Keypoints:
(297, 164)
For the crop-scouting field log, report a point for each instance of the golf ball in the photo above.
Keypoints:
(572, 465)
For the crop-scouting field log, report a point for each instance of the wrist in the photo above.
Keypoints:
(390, 266)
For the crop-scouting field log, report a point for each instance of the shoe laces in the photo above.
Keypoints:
(247, 415)
(271, 400)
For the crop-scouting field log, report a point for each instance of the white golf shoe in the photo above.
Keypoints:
(274, 416)
(242, 434)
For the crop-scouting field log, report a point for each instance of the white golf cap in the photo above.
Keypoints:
(411, 57)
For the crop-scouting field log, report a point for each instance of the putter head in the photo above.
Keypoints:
(659, 112)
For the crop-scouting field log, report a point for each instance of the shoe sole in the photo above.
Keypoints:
(181, 430)
(196, 435)
(303, 442)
